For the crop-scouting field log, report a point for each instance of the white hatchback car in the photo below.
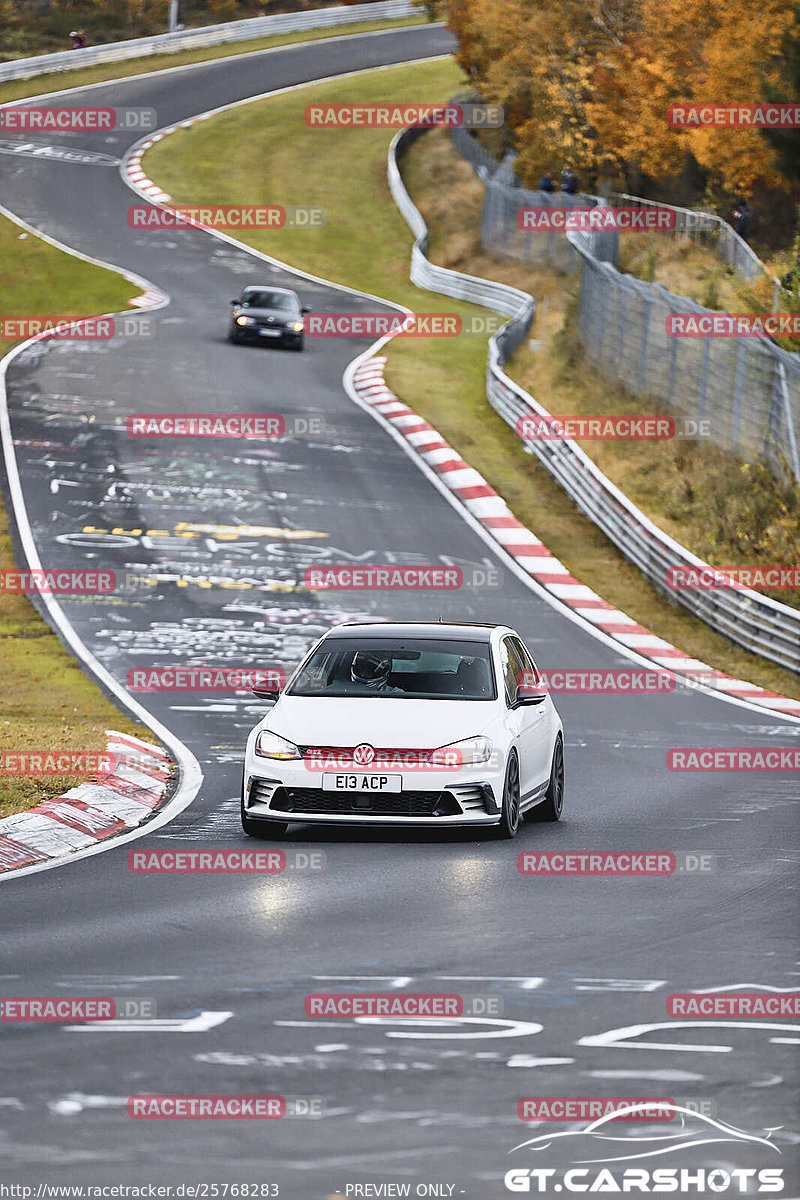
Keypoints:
(407, 725)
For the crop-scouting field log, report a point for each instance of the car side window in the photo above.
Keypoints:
(512, 668)
(526, 658)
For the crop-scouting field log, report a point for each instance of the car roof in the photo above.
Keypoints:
(445, 631)
(269, 287)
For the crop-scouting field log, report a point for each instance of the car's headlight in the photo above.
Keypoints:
(296, 326)
(272, 745)
(241, 320)
(462, 754)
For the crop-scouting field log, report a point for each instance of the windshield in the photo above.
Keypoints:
(269, 300)
(419, 669)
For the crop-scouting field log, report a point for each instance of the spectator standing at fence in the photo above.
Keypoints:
(740, 218)
(546, 182)
(569, 181)
(78, 39)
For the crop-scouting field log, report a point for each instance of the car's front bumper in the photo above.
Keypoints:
(428, 798)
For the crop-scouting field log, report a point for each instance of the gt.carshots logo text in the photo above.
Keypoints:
(681, 1181)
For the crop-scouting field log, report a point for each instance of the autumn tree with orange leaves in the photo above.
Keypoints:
(590, 81)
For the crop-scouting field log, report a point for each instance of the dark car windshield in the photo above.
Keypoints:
(410, 668)
(269, 300)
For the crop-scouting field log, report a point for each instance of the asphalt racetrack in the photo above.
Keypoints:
(229, 958)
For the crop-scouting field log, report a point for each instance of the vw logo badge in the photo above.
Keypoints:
(363, 754)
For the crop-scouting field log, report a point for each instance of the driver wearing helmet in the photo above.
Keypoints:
(371, 669)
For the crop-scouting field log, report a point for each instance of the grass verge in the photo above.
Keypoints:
(56, 81)
(46, 702)
(239, 154)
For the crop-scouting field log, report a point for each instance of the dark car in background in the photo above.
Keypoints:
(268, 314)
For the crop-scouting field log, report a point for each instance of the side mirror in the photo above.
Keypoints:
(527, 694)
(234, 301)
(267, 693)
(305, 309)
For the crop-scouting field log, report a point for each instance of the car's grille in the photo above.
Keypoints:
(394, 757)
(389, 804)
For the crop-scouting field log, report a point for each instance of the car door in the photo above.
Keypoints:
(529, 723)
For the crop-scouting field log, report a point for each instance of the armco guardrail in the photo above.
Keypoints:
(208, 35)
(745, 390)
(747, 618)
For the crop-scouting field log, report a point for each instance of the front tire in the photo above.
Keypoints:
(552, 806)
(255, 827)
(509, 816)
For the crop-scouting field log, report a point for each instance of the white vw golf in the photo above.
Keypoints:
(407, 724)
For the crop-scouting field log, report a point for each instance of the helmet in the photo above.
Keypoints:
(371, 668)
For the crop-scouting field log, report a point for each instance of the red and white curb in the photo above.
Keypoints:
(92, 811)
(132, 165)
(497, 519)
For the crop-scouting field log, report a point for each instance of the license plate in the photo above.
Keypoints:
(270, 332)
(365, 784)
